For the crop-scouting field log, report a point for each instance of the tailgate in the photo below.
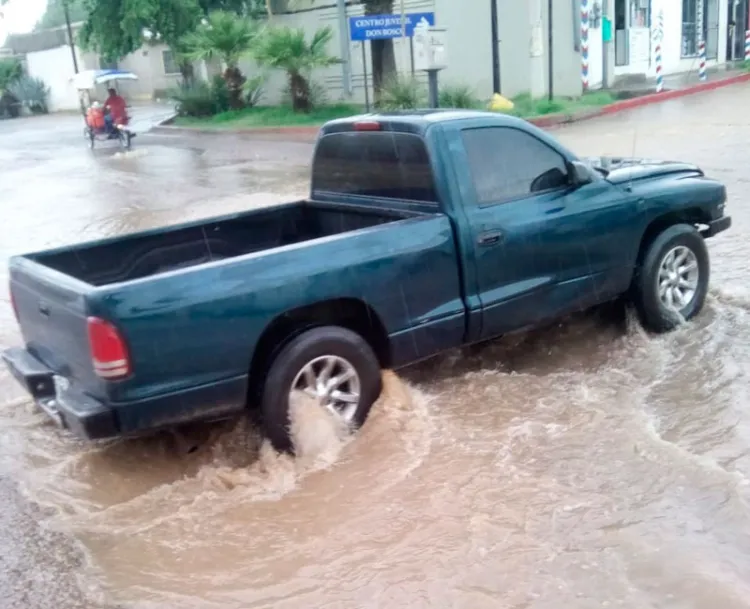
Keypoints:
(52, 314)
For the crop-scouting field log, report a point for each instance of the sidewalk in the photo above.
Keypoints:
(633, 93)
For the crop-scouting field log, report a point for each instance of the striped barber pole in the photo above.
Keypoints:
(702, 65)
(585, 44)
(747, 45)
(658, 38)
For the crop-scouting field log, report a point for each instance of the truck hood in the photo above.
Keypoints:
(620, 169)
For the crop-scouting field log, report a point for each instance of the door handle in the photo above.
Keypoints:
(490, 238)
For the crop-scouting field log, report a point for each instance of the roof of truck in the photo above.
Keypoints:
(413, 120)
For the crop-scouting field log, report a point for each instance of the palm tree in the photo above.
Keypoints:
(229, 37)
(287, 49)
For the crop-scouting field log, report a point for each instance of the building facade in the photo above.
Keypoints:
(627, 48)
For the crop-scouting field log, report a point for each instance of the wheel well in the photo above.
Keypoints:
(349, 313)
(692, 216)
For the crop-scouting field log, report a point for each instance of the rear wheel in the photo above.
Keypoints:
(672, 282)
(333, 366)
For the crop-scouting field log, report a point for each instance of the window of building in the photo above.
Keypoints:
(508, 164)
(692, 31)
(170, 64)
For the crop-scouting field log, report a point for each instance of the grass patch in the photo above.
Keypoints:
(269, 116)
(525, 107)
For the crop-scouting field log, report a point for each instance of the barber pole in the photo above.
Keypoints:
(702, 64)
(701, 42)
(658, 37)
(585, 44)
(747, 45)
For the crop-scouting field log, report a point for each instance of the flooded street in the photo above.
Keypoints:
(585, 465)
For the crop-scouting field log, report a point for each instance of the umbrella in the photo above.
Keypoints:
(88, 79)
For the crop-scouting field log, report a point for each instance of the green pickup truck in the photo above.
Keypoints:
(424, 231)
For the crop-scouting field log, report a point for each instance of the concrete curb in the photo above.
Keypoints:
(549, 121)
(555, 120)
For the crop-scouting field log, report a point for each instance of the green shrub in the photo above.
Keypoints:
(317, 96)
(10, 71)
(254, 89)
(458, 96)
(200, 98)
(220, 94)
(402, 94)
(10, 106)
(32, 93)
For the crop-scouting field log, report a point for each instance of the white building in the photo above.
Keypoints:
(469, 44)
(686, 24)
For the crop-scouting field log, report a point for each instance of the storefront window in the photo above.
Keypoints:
(691, 29)
(639, 13)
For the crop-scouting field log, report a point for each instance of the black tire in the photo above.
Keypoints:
(654, 314)
(314, 343)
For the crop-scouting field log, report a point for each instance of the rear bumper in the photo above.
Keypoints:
(717, 226)
(74, 410)
(92, 419)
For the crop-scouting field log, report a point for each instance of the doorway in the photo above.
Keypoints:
(633, 35)
(737, 20)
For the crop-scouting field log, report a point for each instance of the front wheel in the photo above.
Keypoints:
(333, 366)
(672, 283)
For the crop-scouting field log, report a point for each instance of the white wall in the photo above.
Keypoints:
(55, 68)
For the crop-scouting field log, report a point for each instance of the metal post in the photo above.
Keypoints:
(550, 60)
(411, 54)
(605, 46)
(367, 84)
(404, 49)
(536, 50)
(496, 83)
(70, 35)
(432, 79)
(346, 60)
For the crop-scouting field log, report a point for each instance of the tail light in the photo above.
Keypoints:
(367, 126)
(109, 354)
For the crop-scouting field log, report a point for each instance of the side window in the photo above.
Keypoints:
(507, 164)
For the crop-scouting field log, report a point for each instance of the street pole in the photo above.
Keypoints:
(434, 96)
(496, 83)
(550, 45)
(346, 60)
(70, 35)
(404, 48)
(536, 50)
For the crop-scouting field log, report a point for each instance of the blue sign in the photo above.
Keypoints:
(383, 27)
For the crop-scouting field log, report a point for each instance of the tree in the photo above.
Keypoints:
(115, 28)
(287, 49)
(383, 55)
(10, 71)
(228, 37)
(54, 16)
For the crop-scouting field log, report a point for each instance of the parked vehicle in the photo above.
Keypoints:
(423, 232)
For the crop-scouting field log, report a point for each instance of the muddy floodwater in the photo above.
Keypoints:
(584, 465)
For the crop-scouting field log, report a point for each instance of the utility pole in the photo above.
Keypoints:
(404, 46)
(71, 42)
(550, 48)
(346, 60)
(536, 49)
(496, 82)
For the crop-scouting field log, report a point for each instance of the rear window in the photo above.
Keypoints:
(389, 165)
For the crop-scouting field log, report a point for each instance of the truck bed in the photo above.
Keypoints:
(151, 253)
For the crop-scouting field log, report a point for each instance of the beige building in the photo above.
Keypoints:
(469, 46)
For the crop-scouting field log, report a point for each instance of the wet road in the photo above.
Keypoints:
(586, 465)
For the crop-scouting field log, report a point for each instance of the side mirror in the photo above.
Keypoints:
(580, 173)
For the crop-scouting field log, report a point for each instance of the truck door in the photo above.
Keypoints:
(541, 247)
